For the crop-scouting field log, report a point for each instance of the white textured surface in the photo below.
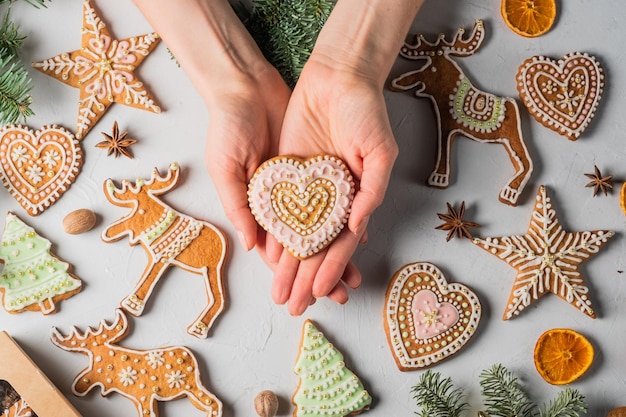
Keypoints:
(254, 344)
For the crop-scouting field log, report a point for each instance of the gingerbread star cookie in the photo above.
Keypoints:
(427, 319)
(547, 259)
(103, 69)
(304, 204)
(622, 198)
(562, 95)
(37, 168)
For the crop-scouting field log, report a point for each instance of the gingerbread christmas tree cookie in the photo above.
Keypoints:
(547, 259)
(103, 69)
(326, 386)
(32, 278)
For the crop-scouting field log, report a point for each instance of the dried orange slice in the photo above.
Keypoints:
(562, 356)
(529, 18)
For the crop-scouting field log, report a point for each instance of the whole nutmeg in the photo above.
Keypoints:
(266, 404)
(617, 412)
(79, 221)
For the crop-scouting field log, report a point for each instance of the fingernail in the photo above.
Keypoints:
(364, 238)
(243, 240)
(362, 226)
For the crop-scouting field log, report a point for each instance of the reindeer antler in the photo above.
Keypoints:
(457, 46)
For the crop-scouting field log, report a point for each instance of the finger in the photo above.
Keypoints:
(372, 187)
(334, 265)
(339, 294)
(232, 190)
(302, 290)
(284, 277)
(352, 276)
(274, 248)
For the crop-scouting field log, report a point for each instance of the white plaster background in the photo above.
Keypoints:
(254, 344)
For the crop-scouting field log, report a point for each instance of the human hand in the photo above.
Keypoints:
(337, 111)
(244, 127)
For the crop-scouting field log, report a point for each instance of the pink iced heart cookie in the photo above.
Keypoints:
(304, 204)
(427, 319)
(38, 167)
(562, 95)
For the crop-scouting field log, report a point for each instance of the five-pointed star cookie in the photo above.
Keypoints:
(103, 69)
(547, 259)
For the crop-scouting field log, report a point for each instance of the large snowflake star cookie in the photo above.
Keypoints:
(103, 69)
(547, 259)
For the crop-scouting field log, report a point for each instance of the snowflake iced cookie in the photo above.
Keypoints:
(37, 168)
(143, 376)
(562, 95)
(304, 204)
(103, 69)
(427, 319)
(547, 259)
(32, 278)
(326, 386)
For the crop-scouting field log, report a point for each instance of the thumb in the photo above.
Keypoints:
(372, 188)
(233, 193)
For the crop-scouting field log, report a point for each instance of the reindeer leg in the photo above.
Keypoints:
(440, 177)
(134, 303)
(203, 400)
(215, 292)
(518, 154)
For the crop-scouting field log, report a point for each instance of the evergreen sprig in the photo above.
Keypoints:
(568, 403)
(438, 397)
(286, 31)
(35, 3)
(503, 396)
(10, 38)
(15, 84)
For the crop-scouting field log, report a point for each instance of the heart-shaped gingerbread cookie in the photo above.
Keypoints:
(426, 318)
(562, 95)
(38, 167)
(304, 204)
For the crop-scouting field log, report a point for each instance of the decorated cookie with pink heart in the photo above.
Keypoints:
(37, 168)
(427, 319)
(303, 203)
(562, 95)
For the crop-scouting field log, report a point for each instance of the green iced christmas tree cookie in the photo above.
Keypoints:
(32, 278)
(326, 386)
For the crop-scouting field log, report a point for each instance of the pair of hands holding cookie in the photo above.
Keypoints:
(337, 107)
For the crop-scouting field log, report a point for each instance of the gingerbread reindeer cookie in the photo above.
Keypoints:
(170, 238)
(143, 376)
(463, 109)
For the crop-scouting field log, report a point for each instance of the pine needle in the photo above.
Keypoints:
(10, 38)
(568, 403)
(35, 3)
(502, 394)
(286, 31)
(15, 84)
(438, 397)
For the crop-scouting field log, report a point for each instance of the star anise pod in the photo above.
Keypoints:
(454, 223)
(599, 183)
(116, 143)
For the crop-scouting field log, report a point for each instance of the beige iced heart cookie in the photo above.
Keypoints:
(38, 167)
(427, 319)
(562, 95)
(304, 204)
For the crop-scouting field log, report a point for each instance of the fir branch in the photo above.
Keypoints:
(35, 3)
(286, 31)
(568, 403)
(15, 84)
(502, 394)
(437, 397)
(10, 38)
